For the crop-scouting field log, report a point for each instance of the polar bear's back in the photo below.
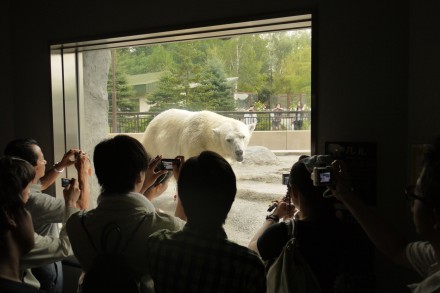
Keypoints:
(198, 134)
(162, 136)
(179, 132)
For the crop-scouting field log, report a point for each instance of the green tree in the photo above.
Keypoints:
(133, 60)
(159, 59)
(168, 94)
(124, 93)
(188, 57)
(212, 91)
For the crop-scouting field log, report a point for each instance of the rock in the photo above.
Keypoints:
(259, 155)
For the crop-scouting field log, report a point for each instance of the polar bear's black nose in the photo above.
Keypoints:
(239, 153)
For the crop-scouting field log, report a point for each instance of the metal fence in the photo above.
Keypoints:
(136, 122)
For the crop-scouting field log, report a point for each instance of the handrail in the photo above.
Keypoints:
(136, 122)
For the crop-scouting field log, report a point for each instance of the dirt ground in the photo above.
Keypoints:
(258, 183)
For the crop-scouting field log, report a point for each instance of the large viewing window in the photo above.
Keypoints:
(106, 87)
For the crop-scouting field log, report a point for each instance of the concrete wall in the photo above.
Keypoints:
(282, 140)
(375, 70)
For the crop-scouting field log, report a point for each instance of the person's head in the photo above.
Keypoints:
(29, 150)
(305, 194)
(251, 108)
(119, 163)
(15, 176)
(207, 188)
(426, 209)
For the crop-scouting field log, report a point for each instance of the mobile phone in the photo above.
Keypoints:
(65, 182)
(167, 164)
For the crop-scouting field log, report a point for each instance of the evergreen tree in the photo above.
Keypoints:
(168, 94)
(124, 94)
(212, 91)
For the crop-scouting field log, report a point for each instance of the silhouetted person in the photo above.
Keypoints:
(200, 258)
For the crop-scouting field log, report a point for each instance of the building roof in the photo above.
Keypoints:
(145, 78)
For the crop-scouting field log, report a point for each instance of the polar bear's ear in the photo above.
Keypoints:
(216, 130)
(252, 127)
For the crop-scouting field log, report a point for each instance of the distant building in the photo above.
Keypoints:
(143, 84)
(146, 83)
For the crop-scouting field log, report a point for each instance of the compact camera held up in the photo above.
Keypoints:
(65, 182)
(323, 176)
(167, 164)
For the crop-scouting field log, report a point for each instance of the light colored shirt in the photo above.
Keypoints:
(127, 211)
(421, 255)
(46, 211)
(47, 250)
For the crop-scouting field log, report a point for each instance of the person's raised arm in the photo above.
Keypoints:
(51, 249)
(385, 237)
(281, 212)
(84, 169)
(151, 174)
(179, 212)
(52, 174)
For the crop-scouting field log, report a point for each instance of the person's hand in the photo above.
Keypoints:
(342, 188)
(72, 193)
(82, 163)
(283, 210)
(155, 191)
(177, 166)
(152, 173)
(68, 159)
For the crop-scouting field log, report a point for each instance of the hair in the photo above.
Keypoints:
(300, 178)
(22, 148)
(207, 188)
(430, 177)
(118, 162)
(15, 175)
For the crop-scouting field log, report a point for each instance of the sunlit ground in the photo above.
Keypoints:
(257, 186)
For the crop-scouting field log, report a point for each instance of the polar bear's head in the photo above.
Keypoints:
(234, 137)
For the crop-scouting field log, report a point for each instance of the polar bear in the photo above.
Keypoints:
(180, 132)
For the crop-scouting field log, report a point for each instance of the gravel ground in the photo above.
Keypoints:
(258, 183)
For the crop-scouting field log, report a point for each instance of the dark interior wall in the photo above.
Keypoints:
(424, 102)
(365, 52)
(363, 76)
(36, 26)
(6, 113)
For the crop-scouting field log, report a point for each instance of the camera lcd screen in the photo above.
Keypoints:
(167, 164)
(65, 182)
(285, 179)
(325, 177)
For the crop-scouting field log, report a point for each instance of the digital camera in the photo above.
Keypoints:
(285, 179)
(65, 182)
(322, 176)
(167, 164)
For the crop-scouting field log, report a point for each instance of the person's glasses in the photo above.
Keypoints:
(411, 195)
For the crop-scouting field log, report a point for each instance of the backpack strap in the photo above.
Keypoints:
(88, 233)
(134, 232)
(109, 228)
(292, 233)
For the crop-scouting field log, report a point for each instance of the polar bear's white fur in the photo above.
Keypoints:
(180, 132)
